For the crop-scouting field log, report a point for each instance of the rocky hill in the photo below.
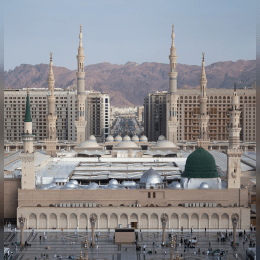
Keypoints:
(128, 84)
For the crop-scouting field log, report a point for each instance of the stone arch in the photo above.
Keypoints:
(194, 222)
(184, 221)
(154, 221)
(73, 221)
(204, 222)
(123, 220)
(113, 221)
(133, 220)
(63, 220)
(43, 221)
(224, 221)
(144, 221)
(32, 221)
(103, 221)
(174, 221)
(214, 221)
(83, 221)
(53, 222)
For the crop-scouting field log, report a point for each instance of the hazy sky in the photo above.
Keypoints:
(119, 31)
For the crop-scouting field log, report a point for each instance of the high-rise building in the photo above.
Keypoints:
(97, 113)
(183, 110)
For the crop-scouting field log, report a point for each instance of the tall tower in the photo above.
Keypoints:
(203, 140)
(51, 140)
(27, 156)
(233, 152)
(81, 94)
(172, 97)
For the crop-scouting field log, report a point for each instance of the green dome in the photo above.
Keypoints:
(200, 164)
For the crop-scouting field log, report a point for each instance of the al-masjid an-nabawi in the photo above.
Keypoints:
(130, 181)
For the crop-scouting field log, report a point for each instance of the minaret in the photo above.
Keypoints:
(172, 97)
(27, 156)
(233, 152)
(81, 94)
(203, 118)
(51, 140)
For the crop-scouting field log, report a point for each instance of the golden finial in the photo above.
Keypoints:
(51, 56)
(203, 53)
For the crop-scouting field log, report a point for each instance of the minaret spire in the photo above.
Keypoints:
(234, 152)
(81, 94)
(27, 156)
(51, 117)
(172, 97)
(203, 118)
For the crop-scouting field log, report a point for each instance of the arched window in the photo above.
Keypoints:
(39, 205)
(149, 195)
(154, 196)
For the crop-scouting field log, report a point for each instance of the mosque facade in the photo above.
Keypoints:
(196, 196)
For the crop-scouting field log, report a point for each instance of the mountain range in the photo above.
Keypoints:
(128, 84)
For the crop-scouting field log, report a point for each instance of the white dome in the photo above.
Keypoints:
(113, 182)
(126, 138)
(92, 138)
(161, 138)
(74, 182)
(165, 144)
(204, 185)
(143, 138)
(92, 186)
(110, 138)
(118, 138)
(126, 144)
(135, 138)
(175, 185)
(89, 143)
(151, 177)
(128, 184)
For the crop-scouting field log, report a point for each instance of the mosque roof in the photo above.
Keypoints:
(200, 164)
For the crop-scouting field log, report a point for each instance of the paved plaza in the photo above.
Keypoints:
(68, 243)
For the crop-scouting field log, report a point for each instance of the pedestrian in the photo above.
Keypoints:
(191, 229)
(40, 238)
(244, 232)
(97, 246)
(164, 252)
(205, 229)
(155, 251)
(236, 256)
(209, 244)
(184, 250)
